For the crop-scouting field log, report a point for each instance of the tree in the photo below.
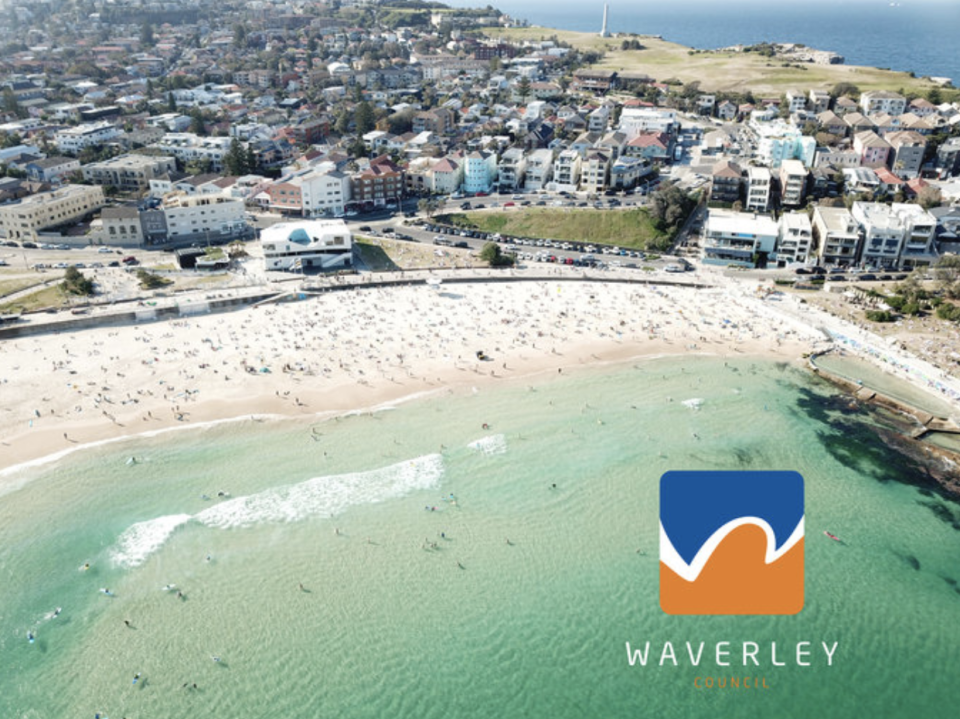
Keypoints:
(845, 88)
(364, 118)
(253, 162)
(929, 196)
(235, 161)
(934, 95)
(197, 125)
(146, 35)
(240, 35)
(523, 88)
(10, 103)
(75, 283)
(491, 254)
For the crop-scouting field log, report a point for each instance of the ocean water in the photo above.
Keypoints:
(915, 36)
(443, 574)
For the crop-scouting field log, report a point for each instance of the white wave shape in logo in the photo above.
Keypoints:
(690, 572)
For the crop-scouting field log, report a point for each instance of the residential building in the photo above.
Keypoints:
(438, 121)
(796, 101)
(838, 158)
(598, 120)
(738, 238)
(599, 81)
(511, 169)
(857, 122)
(793, 181)
(380, 183)
(298, 246)
(594, 172)
(539, 170)
(948, 157)
(312, 192)
(872, 149)
(188, 147)
(626, 172)
(837, 236)
(858, 180)
(446, 176)
(877, 101)
(726, 179)
(883, 234)
(758, 189)
(74, 139)
(830, 122)
(120, 227)
(203, 218)
(920, 231)
(657, 146)
(479, 171)
(46, 210)
(129, 173)
(51, 169)
(778, 141)
(907, 151)
(727, 110)
(566, 170)
(794, 238)
(637, 120)
(819, 101)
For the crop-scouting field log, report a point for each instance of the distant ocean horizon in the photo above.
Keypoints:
(905, 36)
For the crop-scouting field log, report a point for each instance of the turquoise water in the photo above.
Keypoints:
(444, 576)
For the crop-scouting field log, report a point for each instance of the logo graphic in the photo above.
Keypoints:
(731, 542)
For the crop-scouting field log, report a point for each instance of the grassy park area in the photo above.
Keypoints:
(719, 71)
(627, 228)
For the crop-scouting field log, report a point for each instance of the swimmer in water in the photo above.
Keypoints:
(57, 611)
(30, 637)
(107, 592)
(85, 567)
(216, 659)
(136, 677)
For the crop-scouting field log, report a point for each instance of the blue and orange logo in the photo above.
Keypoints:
(731, 542)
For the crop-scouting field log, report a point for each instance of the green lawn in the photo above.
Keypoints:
(626, 228)
(729, 71)
(41, 299)
(8, 287)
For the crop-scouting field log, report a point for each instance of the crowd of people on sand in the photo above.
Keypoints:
(143, 376)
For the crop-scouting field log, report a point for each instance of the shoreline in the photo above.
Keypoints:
(277, 362)
(174, 374)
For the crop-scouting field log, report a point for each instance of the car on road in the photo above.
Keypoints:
(365, 228)
(509, 204)
(461, 244)
(868, 277)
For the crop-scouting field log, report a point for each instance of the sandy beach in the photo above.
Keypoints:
(360, 348)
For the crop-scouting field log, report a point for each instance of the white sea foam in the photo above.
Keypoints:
(144, 538)
(494, 444)
(694, 403)
(317, 497)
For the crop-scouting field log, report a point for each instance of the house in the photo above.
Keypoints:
(793, 180)
(794, 238)
(872, 149)
(446, 176)
(890, 184)
(837, 236)
(598, 120)
(921, 107)
(830, 122)
(907, 152)
(877, 101)
(796, 101)
(120, 227)
(51, 169)
(727, 110)
(655, 146)
(818, 101)
(726, 179)
(856, 122)
(844, 105)
(738, 238)
(759, 183)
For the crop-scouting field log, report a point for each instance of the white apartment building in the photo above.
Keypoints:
(594, 172)
(188, 147)
(23, 220)
(479, 171)
(205, 217)
(566, 171)
(75, 139)
(637, 120)
(883, 234)
(128, 173)
(778, 141)
(837, 236)
(758, 189)
(598, 120)
(740, 238)
(312, 192)
(539, 170)
(920, 228)
(875, 102)
(795, 238)
(446, 176)
(316, 244)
